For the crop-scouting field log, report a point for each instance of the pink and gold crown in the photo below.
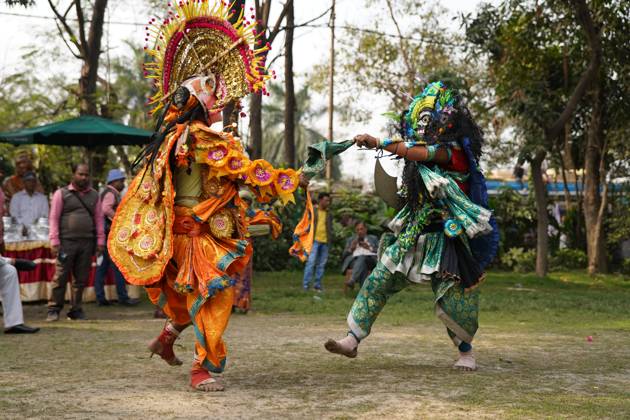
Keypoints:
(196, 39)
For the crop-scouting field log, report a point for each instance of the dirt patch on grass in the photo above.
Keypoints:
(278, 367)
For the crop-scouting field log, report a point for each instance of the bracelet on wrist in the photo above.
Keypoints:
(431, 151)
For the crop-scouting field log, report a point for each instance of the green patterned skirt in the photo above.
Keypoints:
(457, 308)
(420, 251)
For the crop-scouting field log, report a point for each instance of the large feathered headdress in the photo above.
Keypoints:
(197, 38)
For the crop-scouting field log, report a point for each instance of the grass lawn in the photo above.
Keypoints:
(534, 358)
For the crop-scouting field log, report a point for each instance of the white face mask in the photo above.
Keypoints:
(424, 119)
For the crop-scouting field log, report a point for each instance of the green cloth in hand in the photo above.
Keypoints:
(319, 153)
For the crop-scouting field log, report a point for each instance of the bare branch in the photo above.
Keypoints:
(68, 9)
(281, 54)
(63, 38)
(276, 28)
(67, 28)
(308, 22)
(403, 50)
(81, 20)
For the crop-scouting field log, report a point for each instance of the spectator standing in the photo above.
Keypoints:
(76, 234)
(110, 198)
(323, 238)
(3, 170)
(10, 294)
(28, 205)
(2, 201)
(359, 255)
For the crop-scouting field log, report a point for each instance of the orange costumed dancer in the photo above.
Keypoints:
(181, 230)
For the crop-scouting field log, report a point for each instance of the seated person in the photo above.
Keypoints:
(359, 255)
(28, 205)
(10, 294)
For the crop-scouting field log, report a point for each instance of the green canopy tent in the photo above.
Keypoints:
(87, 130)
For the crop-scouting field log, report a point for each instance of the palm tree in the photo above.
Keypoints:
(273, 124)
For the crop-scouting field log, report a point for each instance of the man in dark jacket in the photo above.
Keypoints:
(359, 255)
(76, 235)
(323, 239)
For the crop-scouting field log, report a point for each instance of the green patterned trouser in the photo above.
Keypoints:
(457, 309)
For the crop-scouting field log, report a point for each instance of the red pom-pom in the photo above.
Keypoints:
(243, 115)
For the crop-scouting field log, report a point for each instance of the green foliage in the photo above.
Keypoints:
(347, 208)
(25, 3)
(568, 259)
(273, 255)
(519, 260)
(573, 228)
(30, 100)
(130, 89)
(524, 46)
(515, 215)
(273, 125)
(370, 62)
(619, 222)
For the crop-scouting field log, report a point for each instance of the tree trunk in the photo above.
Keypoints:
(230, 117)
(231, 110)
(542, 238)
(331, 92)
(289, 90)
(89, 69)
(124, 159)
(97, 158)
(255, 125)
(593, 156)
(266, 35)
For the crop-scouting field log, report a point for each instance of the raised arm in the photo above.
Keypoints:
(416, 153)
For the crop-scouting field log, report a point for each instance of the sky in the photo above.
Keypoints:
(311, 46)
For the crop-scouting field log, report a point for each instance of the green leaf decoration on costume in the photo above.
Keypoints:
(394, 116)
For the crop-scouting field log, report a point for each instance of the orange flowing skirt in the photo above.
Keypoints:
(197, 285)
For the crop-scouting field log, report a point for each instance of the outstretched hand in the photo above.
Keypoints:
(365, 140)
(303, 181)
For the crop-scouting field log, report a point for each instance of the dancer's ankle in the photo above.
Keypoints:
(350, 341)
(464, 347)
(178, 327)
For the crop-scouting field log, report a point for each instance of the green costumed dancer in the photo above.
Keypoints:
(444, 234)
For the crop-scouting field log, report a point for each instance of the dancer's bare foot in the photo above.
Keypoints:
(201, 380)
(466, 362)
(346, 346)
